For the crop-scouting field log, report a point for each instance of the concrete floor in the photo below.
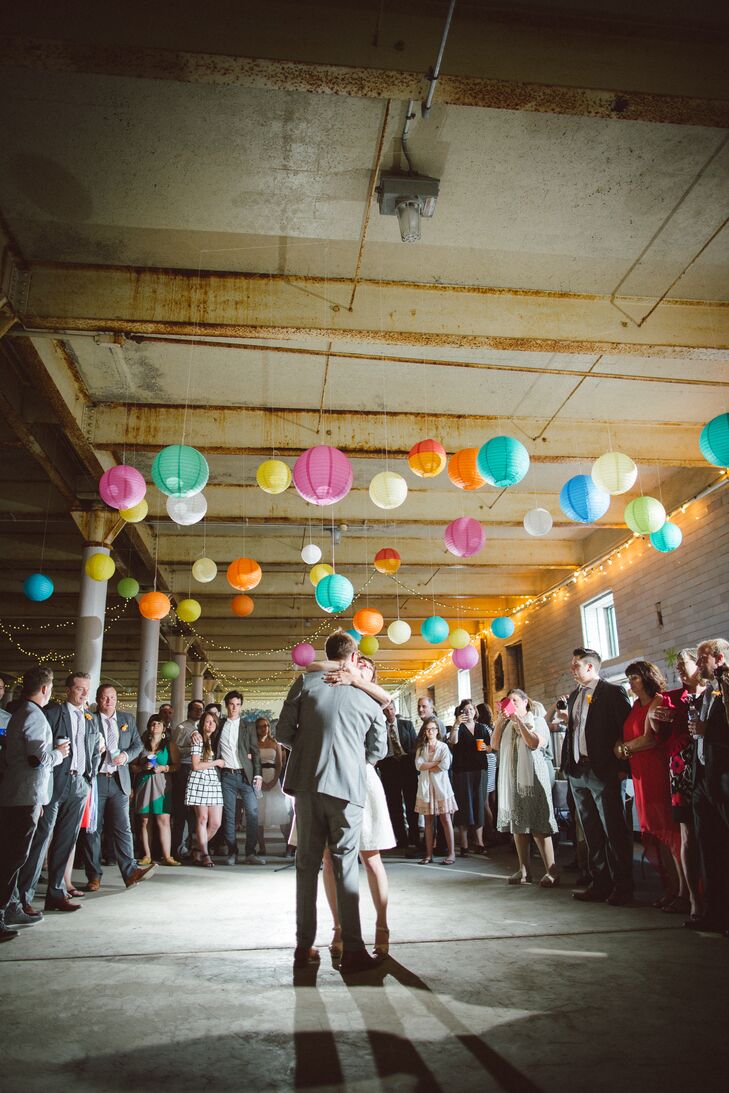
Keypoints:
(186, 983)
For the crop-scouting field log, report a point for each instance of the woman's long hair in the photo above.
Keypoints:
(485, 715)
(422, 742)
(207, 752)
(147, 734)
(653, 680)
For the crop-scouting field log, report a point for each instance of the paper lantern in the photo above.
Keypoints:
(714, 441)
(614, 472)
(99, 567)
(273, 476)
(463, 469)
(503, 461)
(204, 570)
(502, 627)
(464, 537)
(387, 560)
(667, 538)
(388, 490)
(399, 631)
(368, 621)
(303, 654)
(459, 638)
(136, 513)
(465, 658)
(37, 587)
(644, 515)
(244, 574)
(154, 605)
(242, 606)
(581, 500)
(169, 669)
(128, 588)
(538, 522)
(319, 572)
(180, 471)
(427, 458)
(189, 610)
(311, 554)
(334, 593)
(323, 475)
(355, 635)
(187, 510)
(434, 629)
(122, 487)
(368, 646)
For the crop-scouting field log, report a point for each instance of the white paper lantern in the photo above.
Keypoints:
(204, 570)
(538, 522)
(388, 490)
(399, 632)
(187, 510)
(311, 554)
(614, 472)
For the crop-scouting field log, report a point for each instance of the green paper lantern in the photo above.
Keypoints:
(644, 515)
(170, 669)
(180, 471)
(128, 588)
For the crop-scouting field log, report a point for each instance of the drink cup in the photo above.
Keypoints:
(480, 745)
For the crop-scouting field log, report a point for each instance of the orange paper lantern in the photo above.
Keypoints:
(242, 606)
(387, 560)
(427, 458)
(463, 471)
(154, 605)
(244, 574)
(368, 621)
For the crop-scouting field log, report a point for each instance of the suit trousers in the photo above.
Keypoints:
(324, 821)
(17, 828)
(599, 805)
(711, 820)
(400, 783)
(235, 785)
(112, 820)
(183, 818)
(56, 832)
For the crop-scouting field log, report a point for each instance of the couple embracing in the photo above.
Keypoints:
(333, 733)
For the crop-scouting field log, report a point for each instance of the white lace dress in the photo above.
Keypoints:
(274, 807)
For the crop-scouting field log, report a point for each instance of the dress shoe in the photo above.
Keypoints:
(253, 859)
(140, 874)
(93, 885)
(619, 898)
(591, 895)
(61, 905)
(359, 961)
(703, 922)
(5, 933)
(305, 958)
(17, 916)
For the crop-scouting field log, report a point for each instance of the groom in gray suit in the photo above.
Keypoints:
(332, 733)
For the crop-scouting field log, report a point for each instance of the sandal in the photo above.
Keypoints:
(144, 861)
(206, 861)
(382, 941)
(679, 905)
(448, 861)
(519, 878)
(336, 947)
(170, 861)
(550, 879)
(463, 852)
(425, 861)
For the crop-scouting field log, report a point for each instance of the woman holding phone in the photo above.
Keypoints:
(469, 742)
(525, 793)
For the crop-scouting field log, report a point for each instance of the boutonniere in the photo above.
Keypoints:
(589, 698)
(88, 716)
(122, 727)
(716, 693)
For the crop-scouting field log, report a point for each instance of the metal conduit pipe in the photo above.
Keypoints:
(434, 75)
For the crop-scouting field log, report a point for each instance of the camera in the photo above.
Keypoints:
(560, 704)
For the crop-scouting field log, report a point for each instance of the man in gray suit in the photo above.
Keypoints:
(332, 733)
(28, 759)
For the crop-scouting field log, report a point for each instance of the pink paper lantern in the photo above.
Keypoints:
(303, 654)
(464, 537)
(122, 487)
(467, 657)
(323, 475)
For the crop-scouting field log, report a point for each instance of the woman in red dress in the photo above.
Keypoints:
(648, 756)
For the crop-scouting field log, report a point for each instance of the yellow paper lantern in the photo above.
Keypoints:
(368, 646)
(459, 638)
(388, 489)
(319, 571)
(273, 476)
(136, 513)
(189, 610)
(99, 567)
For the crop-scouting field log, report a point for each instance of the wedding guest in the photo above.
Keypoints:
(153, 793)
(274, 807)
(434, 796)
(469, 742)
(485, 716)
(183, 820)
(240, 777)
(525, 792)
(203, 793)
(427, 711)
(400, 779)
(165, 714)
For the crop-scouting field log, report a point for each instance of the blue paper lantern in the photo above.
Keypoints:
(503, 627)
(334, 593)
(581, 500)
(434, 629)
(667, 538)
(503, 461)
(37, 587)
(355, 634)
(714, 441)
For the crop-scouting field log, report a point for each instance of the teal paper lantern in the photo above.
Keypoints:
(644, 515)
(355, 635)
(581, 500)
(37, 587)
(714, 441)
(334, 593)
(502, 627)
(127, 588)
(434, 629)
(667, 538)
(503, 461)
(180, 471)
(170, 669)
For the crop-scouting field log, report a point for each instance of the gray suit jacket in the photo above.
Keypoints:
(130, 742)
(28, 758)
(60, 722)
(333, 732)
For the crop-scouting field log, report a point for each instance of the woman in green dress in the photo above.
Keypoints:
(153, 796)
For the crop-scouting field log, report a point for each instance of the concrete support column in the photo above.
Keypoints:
(90, 621)
(178, 647)
(148, 660)
(197, 671)
(209, 685)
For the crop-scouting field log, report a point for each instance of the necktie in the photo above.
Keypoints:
(112, 742)
(397, 749)
(80, 757)
(577, 712)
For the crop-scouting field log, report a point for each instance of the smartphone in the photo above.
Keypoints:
(507, 706)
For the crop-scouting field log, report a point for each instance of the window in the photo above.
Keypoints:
(599, 628)
(464, 684)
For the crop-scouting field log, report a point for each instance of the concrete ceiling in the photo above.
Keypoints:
(193, 250)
